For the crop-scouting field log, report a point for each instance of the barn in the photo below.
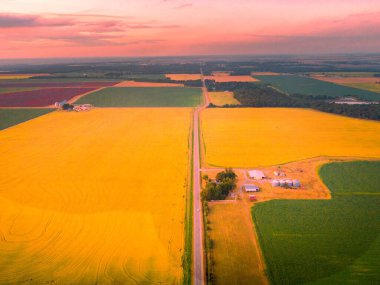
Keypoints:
(250, 188)
(256, 174)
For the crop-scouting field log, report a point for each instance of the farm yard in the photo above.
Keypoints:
(269, 136)
(325, 241)
(294, 84)
(11, 117)
(144, 97)
(99, 210)
(40, 98)
(223, 98)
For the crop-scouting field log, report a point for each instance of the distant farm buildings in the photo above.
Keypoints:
(60, 104)
(250, 188)
(256, 174)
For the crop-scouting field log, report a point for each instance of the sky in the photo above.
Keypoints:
(92, 28)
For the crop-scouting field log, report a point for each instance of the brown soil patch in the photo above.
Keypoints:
(146, 84)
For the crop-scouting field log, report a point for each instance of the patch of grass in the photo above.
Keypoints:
(144, 97)
(293, 84)
(325, 242)
(11, 117)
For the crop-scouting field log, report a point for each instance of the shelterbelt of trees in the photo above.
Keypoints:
(261, 95)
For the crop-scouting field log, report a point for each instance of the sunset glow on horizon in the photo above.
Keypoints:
(38, 28)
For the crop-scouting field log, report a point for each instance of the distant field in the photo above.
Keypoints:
(235, 257)
(17, 89)
(294, 84)
(325, 242)
(232, 78)
(55, 83)
(146, 84)
(247, 137)
(223, 98)
(144, 97)
(183, 77)
(145, 76)
(95, 197)
(373, 87)
(11, 117)
(344, 80)
(19, 76)
(41, 97)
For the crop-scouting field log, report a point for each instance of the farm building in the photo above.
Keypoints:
(256, 174)
(60, 104)
(250, 188)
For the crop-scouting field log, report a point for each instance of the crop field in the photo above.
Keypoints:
(100, 210)
(146, 84)
(19, 76)
(183, 77)
(223, 98)
(234, 251)
(145, 76)
(11, 117)
(264, 73)
(325, 242)
(54, 84)
(41, 97)
(373, 87)
(232, 78)
(144, 97)
(17, 89)
(344, 80)
(293, 84)
(248, 137)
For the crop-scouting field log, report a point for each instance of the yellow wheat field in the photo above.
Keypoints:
(223, 98)
(183, 77)
(20, 76)
(267, 136)
(94, 198)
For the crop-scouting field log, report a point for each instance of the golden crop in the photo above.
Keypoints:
(266, 136)
(96, 197)
(223, 98)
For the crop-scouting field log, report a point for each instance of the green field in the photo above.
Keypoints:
(11, 117)
(144, 97)
(325, 242)
(293, 84)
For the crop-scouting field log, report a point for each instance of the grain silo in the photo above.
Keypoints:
(275, 183)
(289, 182)
(282, 182)
(296, 183)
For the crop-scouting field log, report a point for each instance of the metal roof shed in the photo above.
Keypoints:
(256, 174)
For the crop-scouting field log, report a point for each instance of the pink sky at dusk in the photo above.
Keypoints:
(56, 28)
